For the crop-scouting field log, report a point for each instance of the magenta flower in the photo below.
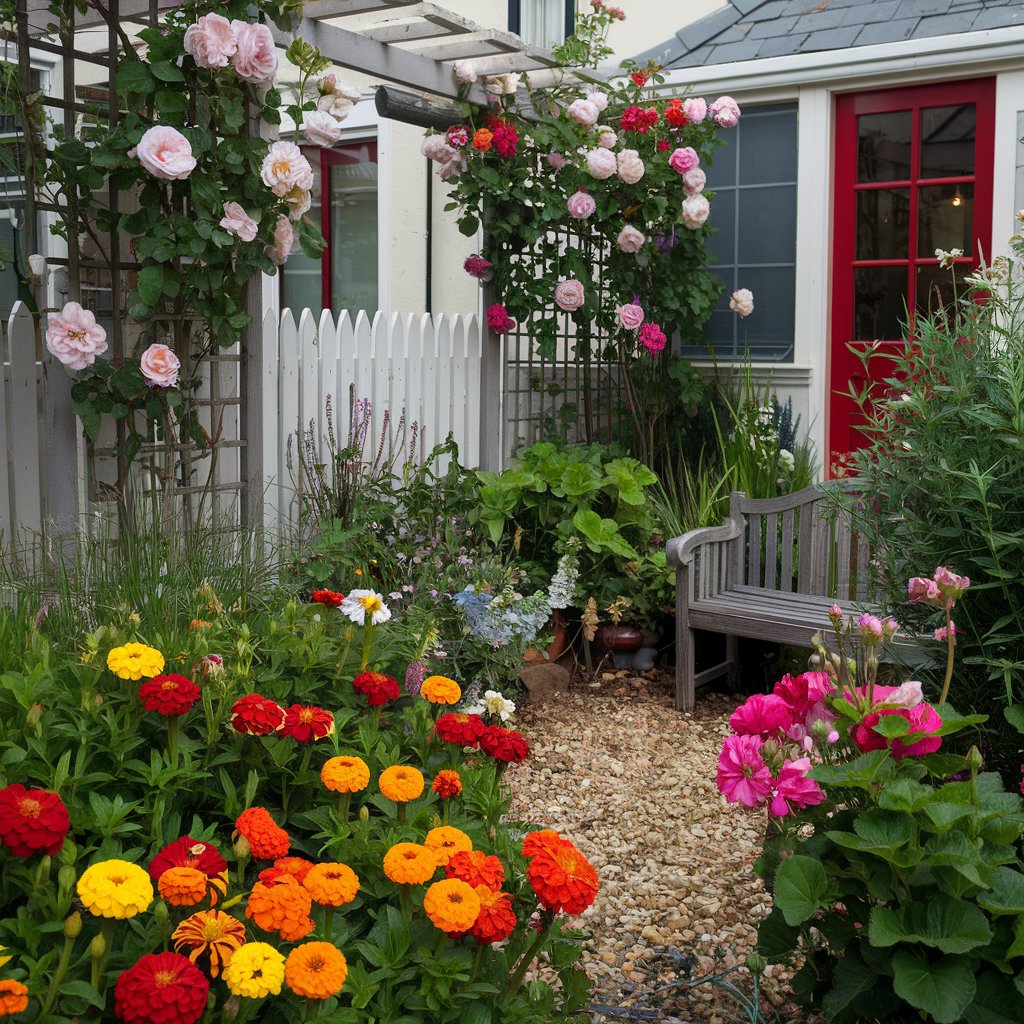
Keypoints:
(652, 337)
(476, 266)
(924, 721)
(763, 714)
(942, 634)
(801, 693)
(498, 319)
(792, 789)
(743, 777)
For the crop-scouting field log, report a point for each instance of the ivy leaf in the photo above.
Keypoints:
(151, 285)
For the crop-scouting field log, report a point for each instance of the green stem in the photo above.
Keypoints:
(367, 644)
(100, 962)
(329, 923)
(442, 941)
(58, 978)
(172, 740)
(524, 965)
(405, 902)
(478, 958)
(344, 802)
(401, 814)
(949, 655)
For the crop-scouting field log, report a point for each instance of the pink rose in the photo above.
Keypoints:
(581, 205)
(694, 181)
(870, 629)
(285, 168)
(464, 73)
(583, 112)
(436, 148)
(726, 112)
(569, 295)
(951, 585)
(298, 201)
(238, 223)
(742, 302)
(284, 239)
(652, 337)
(601, 163)
(695, 211)
(476, 266)
(923, 591)
(451, 170)
(74, 338)
(335, 99)
(801, 693)
(631, 316)
(211, 42)
(630, 166)
(599, 100)
(630, 240)
(165, 153)
(321, 128)
(695, 110)
(498, 319)
(160, 366)
(792, 789)
(255, 60)
(607, 138)
(502, 85)
(683, 159)
(924, 720)
(556, 161)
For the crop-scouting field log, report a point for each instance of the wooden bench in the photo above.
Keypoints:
(771, 571)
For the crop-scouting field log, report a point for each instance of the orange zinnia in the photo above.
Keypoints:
(541, 840)
(265, 837)
(332, 884)
(409, 863)
(563, 879)
(401, 783)
(297, 867)
(496, 920)
(445, 840)
(452, 905)
(447, 783)
(281, 906)
(212, 934)
(345, 774)
(316, 970)
(476, 868)
(441, 690)
(185, 887)
(13, 997)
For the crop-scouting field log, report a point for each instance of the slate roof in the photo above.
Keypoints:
(753, 29)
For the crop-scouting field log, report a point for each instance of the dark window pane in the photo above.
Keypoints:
(935, 288)
(947, 141)
(721, 328)
(945, 214)
(883, 224)
(768, 148)
(767, 219)
(883, 146)
(879, 303)
(723, 218)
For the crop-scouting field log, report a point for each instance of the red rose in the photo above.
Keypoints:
(674, 113)
(306, 723)
(505, 140)
(32, 821)
(161, 988)
(169, 695)
(330, 598)
(256, 715)
(504, 744)
(639, 79)
(636, 119)
(378, 688)
(461, 729)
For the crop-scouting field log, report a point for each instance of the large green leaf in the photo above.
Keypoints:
(1006, 895)
(800, 888)
(630, 477)
(864, 772)
(948, 924)
(996, 1002)
(853, 979)
(885, 829)
(941, 986)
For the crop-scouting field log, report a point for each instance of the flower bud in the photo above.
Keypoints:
(160, 911)
(364, 813)
(98, 946)
(242, 848)
(974, 759)
(756, 963)
(73, 925)
(66, 877)
(68, 852)
(32, 718)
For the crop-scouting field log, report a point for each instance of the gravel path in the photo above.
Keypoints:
(632, 782)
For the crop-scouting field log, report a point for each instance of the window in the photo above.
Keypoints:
(753, 211)
(345, 209)
(544, 23)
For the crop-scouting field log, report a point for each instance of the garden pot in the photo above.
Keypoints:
(558, 650)
(619, 639)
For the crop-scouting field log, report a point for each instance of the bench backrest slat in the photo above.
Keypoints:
(754, 549)
(842, 532)
(771, 545)
(805, 556)
(786, 572)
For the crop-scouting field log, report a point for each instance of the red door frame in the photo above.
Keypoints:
(841, 363)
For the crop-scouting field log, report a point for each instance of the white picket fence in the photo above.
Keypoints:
(428, 368)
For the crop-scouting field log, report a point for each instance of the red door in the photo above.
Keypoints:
(913, 174)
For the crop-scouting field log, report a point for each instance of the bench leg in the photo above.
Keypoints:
(732, 656)
(685, 668)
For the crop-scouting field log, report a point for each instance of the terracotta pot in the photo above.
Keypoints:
(559, 647)
(619, 639)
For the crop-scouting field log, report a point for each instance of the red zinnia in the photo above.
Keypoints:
(496, 920)
(461, 729)
(306, 723)
(330, 598)
(169, 695)
(256, 715)
(161, 988)
(297, 867)
(674, 113)
(378, 688)
(476, 868)
(188, 853)
(663, 146)
(563, 879)
(32, 820)
(447, 783)
(504, 744)
(541, 840)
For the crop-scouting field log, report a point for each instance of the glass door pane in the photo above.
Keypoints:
(353, 230)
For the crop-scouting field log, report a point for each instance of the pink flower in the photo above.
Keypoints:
(285, 168)
(763, 714)
(631, 316)
(694, 181)
(453, 168)
(652, 337)
(476, 266)
(870, 629)
(569, 295)
(211, 42)
(583, 112)
(695, 110)
(581, 205)
(284, 239)
(607, 138)
(923, 719)
(464, 72)
(255, 60)
(160, 366)
(864, 736)
(336, 99)
(74, 338)
(695, 211)
(801, 693)
(601, 163)
(835, 613)
(792, 789)
(923, 591)
(683, 159)
(165, 153)
(238, 223)
(726, 112)
(951, 585)
(906, 695)
(321, 128)
(743, 777)
(941, 634)
(742, 302)
(630, 166)
(298, 201)
(630, 239)
(598, 99)
(436, 148)
(556, 161)
(498, 319)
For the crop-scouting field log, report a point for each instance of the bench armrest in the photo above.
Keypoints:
(679, 551)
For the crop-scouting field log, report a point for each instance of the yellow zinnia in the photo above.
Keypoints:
(115, 888)
(254, 971)
(441, 690)
(135, 661)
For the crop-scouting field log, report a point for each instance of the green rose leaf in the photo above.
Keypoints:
(941, 986)
(800, 888)
(151, 285)
(165, 71)
(134, 76)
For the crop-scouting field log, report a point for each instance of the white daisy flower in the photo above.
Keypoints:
(360, 603)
